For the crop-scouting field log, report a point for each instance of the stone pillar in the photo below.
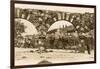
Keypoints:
(17, 12)
(67, 16)
(59, 15)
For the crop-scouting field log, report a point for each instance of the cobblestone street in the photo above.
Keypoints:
(26, 57)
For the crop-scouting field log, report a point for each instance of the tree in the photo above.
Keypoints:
(19, 28)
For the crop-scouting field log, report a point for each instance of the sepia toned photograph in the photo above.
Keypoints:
(47, 34)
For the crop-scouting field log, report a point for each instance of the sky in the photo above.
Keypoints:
(56, 8)
(30, 28)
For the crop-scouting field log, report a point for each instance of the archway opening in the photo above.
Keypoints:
(62, 34)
